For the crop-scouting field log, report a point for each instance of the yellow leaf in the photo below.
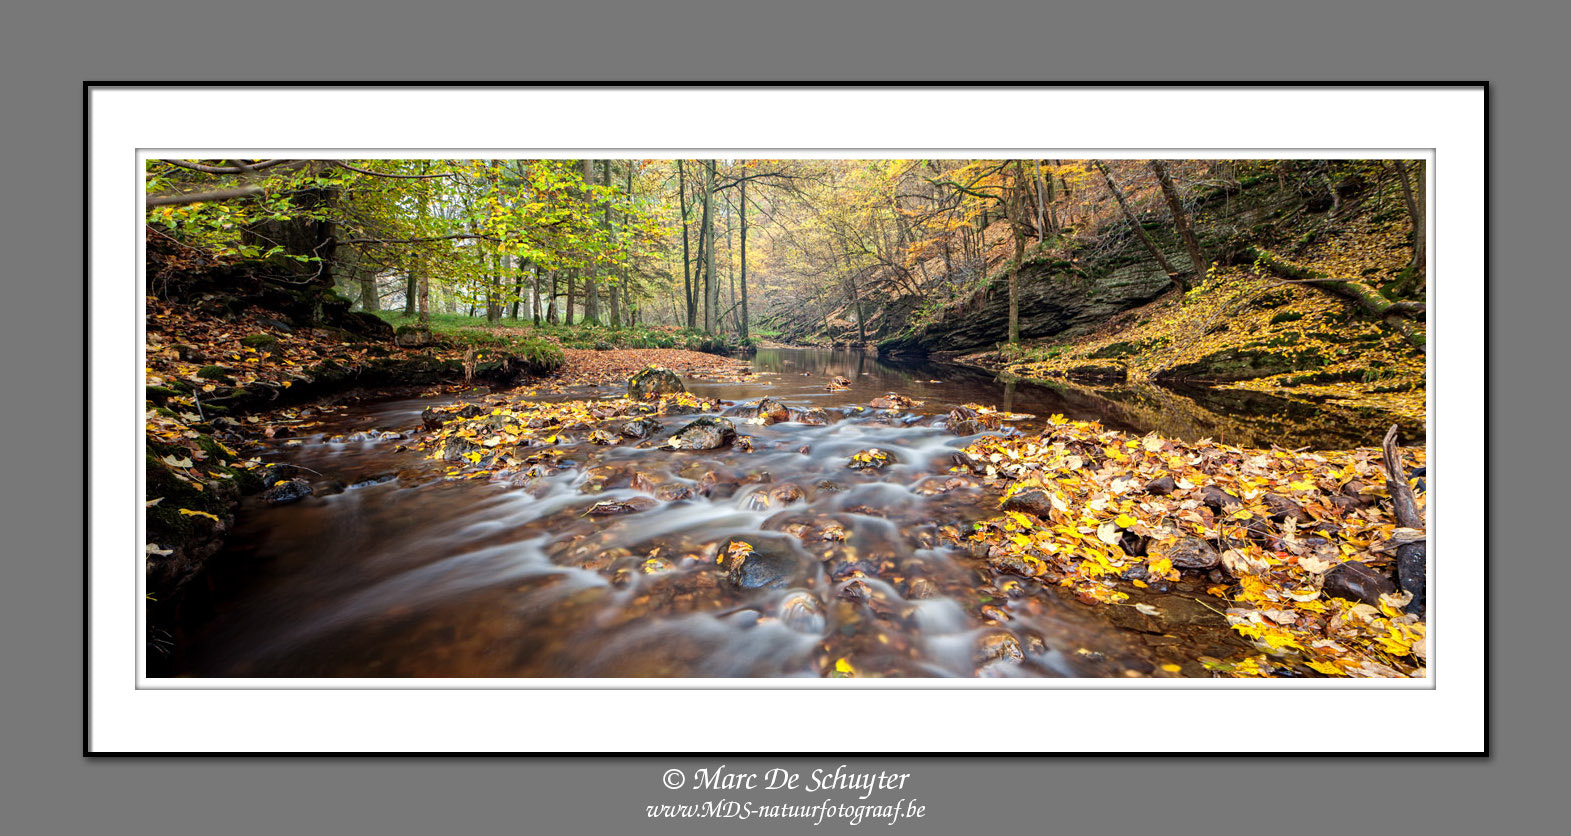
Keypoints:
(1125, 521)
(189, 513)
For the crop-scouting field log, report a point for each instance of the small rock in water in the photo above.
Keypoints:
(1356, 582)
(802, 612)
(857, 591)
(674, 491)
(813, 417)
(999, 648)
(920, 589)
(293, 490)
(963, 420)
(759, 563)
(706, 433)
(330, 487)
(785, 493)
(772, 411)
(1192, 553)
(641, 428)
(602, 436)
(892, 400)
(612, 507)
(652, 382)
(839, 382)
(870, 459)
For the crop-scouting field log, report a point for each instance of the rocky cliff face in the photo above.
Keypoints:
(1051, 302)
(1060, 298)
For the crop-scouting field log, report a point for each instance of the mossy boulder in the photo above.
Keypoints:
(652, 382)
(259, 341)
(1243, 363)
(412, 336)
(216, 374)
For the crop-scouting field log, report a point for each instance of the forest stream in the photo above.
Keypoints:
(408, 572)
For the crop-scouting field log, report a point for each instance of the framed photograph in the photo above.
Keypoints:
(578, 419)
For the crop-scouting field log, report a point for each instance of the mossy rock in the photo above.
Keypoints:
(259, 341)
(1113, 351)
(160, 394)
(217, 374)
(652, 382)
(1247, 363)
(412, 336)
(1287, 316)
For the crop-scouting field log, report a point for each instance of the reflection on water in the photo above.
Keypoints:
(404, 573)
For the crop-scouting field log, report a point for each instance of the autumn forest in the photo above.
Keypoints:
(786, 417)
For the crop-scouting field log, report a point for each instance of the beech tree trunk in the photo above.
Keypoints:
(611, 281)
(711, 284)
(591, 292)
(1413, 196)
(1016, 210)
(688, 298)
(1129, 214)
(368, 298)
(744, 261)
(567, 311)
(1181, 220)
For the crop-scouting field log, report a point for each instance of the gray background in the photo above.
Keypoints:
(48, 50)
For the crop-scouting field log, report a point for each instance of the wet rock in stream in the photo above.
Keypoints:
(706, 433)
(802, 612)
(772, 411)
(756, 562)
(641, 428)
(284, 493)
(652, 382)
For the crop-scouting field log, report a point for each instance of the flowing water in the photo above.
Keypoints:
(406, 574)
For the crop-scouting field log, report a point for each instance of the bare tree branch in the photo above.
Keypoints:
(203, 197)
(237, 168)
(342, 164)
